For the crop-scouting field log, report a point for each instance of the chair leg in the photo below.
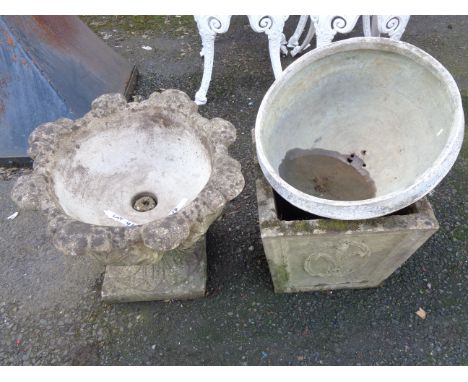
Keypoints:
(394, 26)
(294, 39)
(327, 27)
(366, 25)
(274, 46)
(208, 59)
(272, 26)
(283, 47)
(375, 31)
(208, 27)
(306, 43)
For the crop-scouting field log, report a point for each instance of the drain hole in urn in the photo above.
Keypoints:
(144, 201)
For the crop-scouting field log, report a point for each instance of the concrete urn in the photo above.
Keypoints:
(135, 186)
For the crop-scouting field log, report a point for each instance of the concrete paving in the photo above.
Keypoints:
(50, 309)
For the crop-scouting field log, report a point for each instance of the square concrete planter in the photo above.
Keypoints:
(307, 253)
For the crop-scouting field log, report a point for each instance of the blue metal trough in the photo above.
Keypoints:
(51, 67)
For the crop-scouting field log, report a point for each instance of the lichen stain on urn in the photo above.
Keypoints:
(156, 164)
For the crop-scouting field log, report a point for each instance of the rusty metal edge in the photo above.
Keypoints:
(131, 83)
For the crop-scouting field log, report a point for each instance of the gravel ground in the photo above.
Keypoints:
(50, 310)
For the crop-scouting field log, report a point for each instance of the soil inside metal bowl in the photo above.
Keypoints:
(327, 174)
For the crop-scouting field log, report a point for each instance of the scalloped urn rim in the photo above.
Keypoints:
(178, 230)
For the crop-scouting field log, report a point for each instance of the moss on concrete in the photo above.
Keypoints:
(169, 24)
(338, 225)
(301, 226)
(280, 276)
(268, 224)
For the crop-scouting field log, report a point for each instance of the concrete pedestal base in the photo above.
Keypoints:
(180, 274)
(306, 252)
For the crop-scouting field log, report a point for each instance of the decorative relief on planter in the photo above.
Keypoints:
(345, 257)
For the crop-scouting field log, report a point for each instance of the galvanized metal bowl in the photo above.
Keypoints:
(386, 104)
